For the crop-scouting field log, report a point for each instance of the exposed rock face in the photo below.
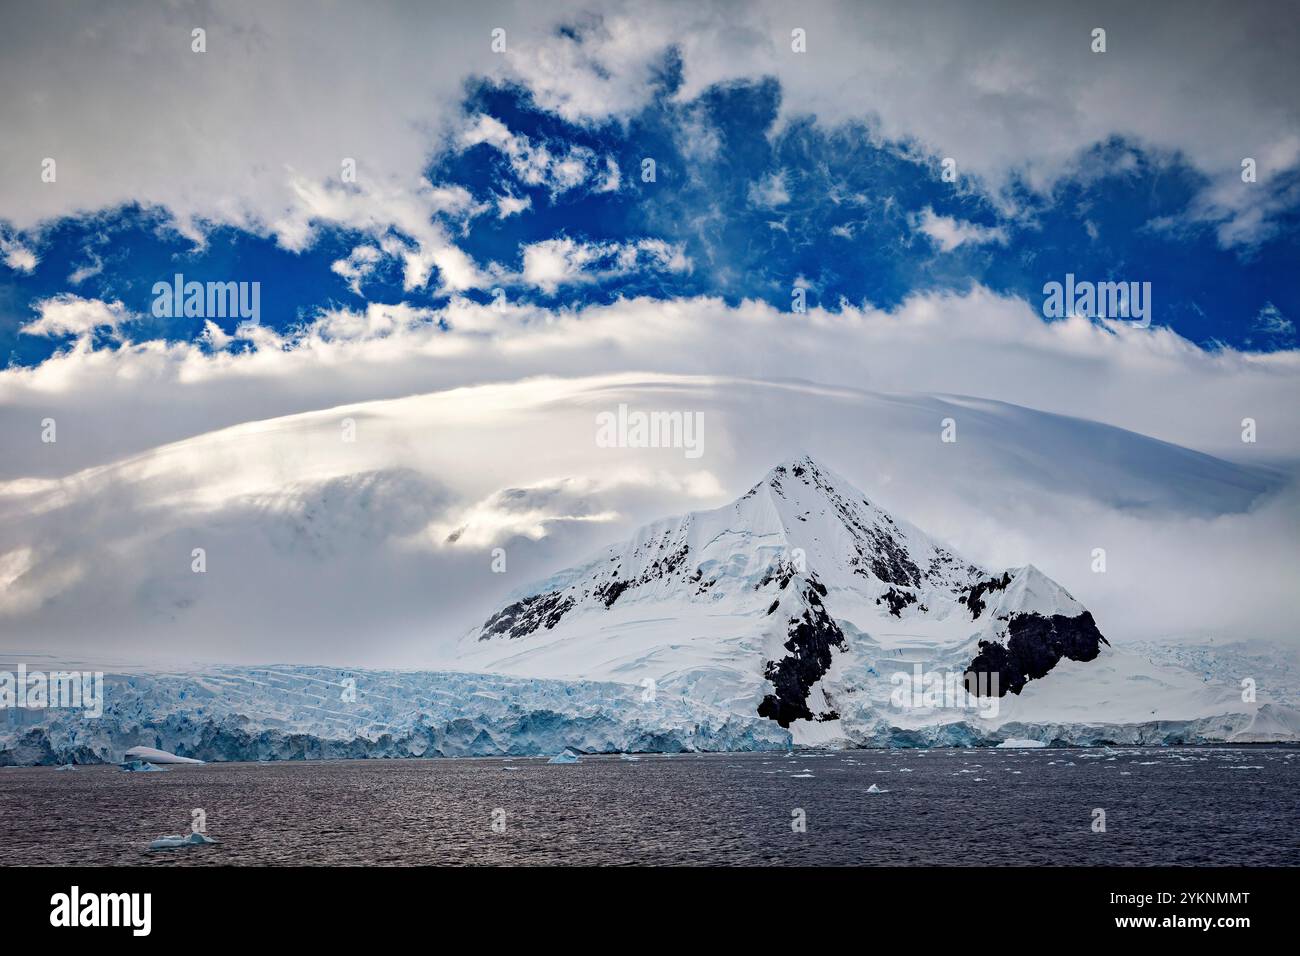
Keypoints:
(1034, 646)
(812, 635)
(974, 598)
(528, 616)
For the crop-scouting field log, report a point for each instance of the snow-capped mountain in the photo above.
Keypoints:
(801, 613)
(805, 602)
(766, 595)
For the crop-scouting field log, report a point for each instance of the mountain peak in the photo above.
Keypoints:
(769, 588)
(805, 469)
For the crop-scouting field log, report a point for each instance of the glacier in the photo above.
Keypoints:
(292, 712)
(319, 713)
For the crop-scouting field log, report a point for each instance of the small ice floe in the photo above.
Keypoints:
(68, 766)
(628, 757)
(139, 766)
(509, 768)
(1245, 768)
(566, 756)
(1020, 743)
(801, 776)
(174, 842)
(904, 769)
(874, 789)
(154, 756)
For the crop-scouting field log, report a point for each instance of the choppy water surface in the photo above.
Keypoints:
(1163, 806)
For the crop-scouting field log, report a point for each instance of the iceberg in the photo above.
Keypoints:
(1020, 743)
(155, 756)
(140, 766)
(567, 756)
(172, 842)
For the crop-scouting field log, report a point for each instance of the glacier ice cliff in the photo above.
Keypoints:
(319, 713)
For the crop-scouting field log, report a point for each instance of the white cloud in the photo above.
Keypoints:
(93, 267)
(1272, 323)
(16, 255)
(359, 264)
(68, 314)
(557, 168)
(980, 344)
(949, 233)
(214, 141)
(509, 205)
(551, 263)
(1008, 93)
(1016, 92)
(770, 191)
(402, 221)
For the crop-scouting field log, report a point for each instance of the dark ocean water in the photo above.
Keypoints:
(1191, 806)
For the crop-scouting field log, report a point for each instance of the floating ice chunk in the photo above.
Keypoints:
(172, 842)
(139, 766)
(801, 776)
(155, 756)
(1020, 743)
(68, 766)
(567, 756)
(874, 789)
(628, 757)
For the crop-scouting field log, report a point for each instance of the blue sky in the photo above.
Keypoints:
(755, 201)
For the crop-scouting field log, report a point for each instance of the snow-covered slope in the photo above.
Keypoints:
(806, 603)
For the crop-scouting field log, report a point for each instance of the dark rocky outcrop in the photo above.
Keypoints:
(897, 600)
(1034, 645)
(974, 598)
(811, 637)
(527, 616)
